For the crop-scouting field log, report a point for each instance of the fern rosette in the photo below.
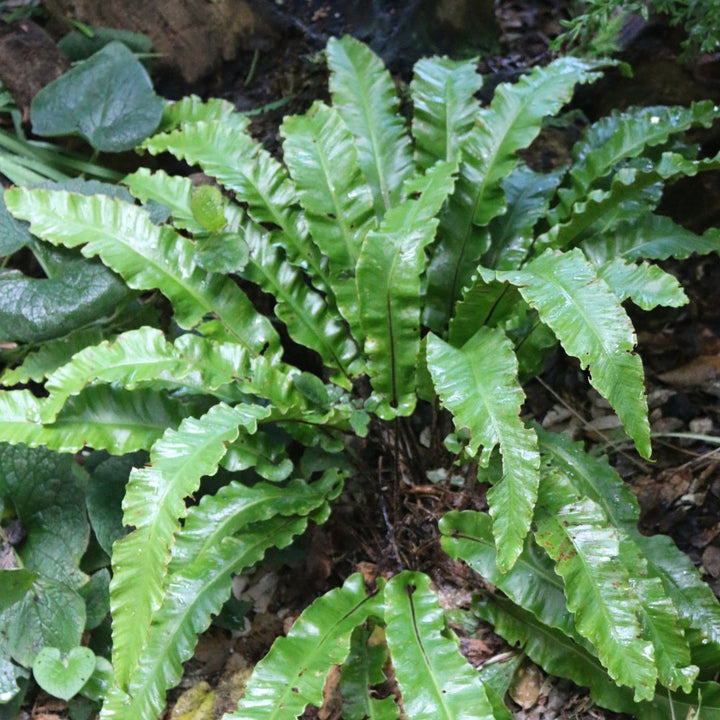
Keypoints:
(423, 265)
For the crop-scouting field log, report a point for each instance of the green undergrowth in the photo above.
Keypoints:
(431, 272)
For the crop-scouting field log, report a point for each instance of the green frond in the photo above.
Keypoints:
(478, 384)
(389, 273)
(102, 418)
(489, 154)
(646, 285)
(444, 107)
(310, 318)
(223, 535)
(592, 326)
(322, 159)
(554, 651)
(146, 256)
(192, 109)
(436, 681)
(532, 583)
(153, 505)
(173, 191)
(576, 534)
(240, 164)
(655, 237)
(292, 674)
(363, 670)
(698, 608)
(622, 136)
(364, 94)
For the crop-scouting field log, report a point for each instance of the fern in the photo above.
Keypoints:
(387, 262)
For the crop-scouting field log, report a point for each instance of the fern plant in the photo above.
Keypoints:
(435, 263)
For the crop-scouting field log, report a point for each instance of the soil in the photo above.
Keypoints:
(679, 492)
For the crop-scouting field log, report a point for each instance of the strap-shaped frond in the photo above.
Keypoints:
(646, 285)
(153, 504)
(593, 477)
(576, 534)
(310, 319)
(361, 671)
(655, 237)
(263, 452)
(389, 273)
(478, 384)
(591, 325)
(554, 651)
(622, 136)
(322, 159)
(240, 164)
(489, 153)
(528, 194)
(101, 417)
(194, 109)
(147, 257)
(627, 184)
(51, 355)
(173, 191)
(364, 93)
(205, 556)
(444, 107)
(436, 681)
(532, 583)
(292, 675)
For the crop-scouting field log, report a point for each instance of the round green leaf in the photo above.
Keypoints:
(108, 99)
(63, 676)
(50, 614)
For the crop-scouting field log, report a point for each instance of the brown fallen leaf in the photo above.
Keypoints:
(698, 372)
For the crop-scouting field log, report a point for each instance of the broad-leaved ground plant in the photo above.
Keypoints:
(426, 266)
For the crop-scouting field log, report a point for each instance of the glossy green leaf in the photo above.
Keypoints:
(364, 94)
(323, 161)
(46, 491)
(310, 319)
(101, 417)
(528, 194)
(79, 45)
(194, 109)
(646, 285)
(575, 533)
(554, 651)
(207, 206)
(265, 454)
(240, 164)
(154, 504)
(435, 680)
(624, 135)
(698, 608)
(51, 355)
(223, 535)
(389, 273)
(627, 185)
(702, 704)
(108, 99)
(653, 236)
(292, 674)
(360, 673)
(497, 677)
(96, 594)
(10, 692)
(478, 384)
(50, 614)
(489, 154)
(170, 190)
(444, 107)
(147, 257)
(532, 583)
(593, 327)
